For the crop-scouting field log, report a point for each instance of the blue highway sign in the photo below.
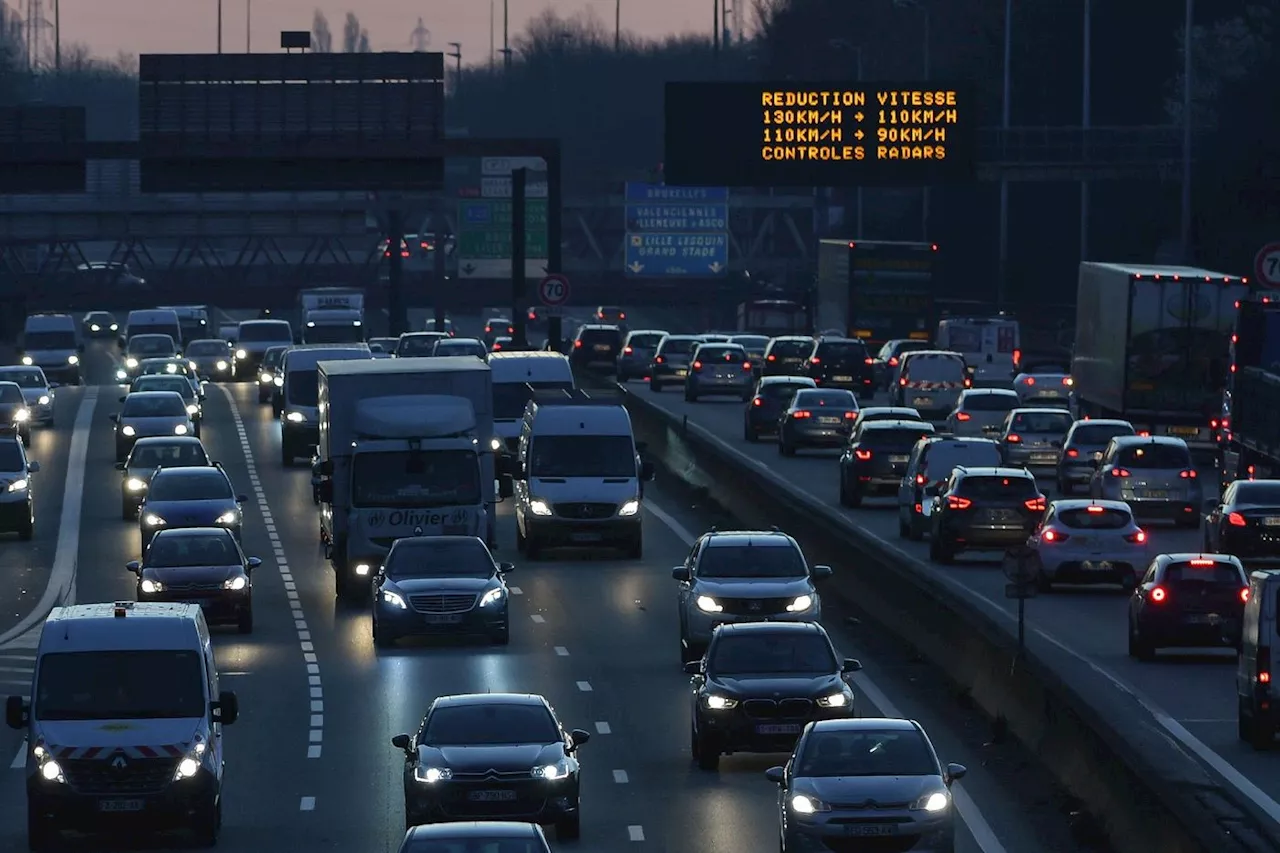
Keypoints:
(678, 217)
(677, 254)
(639, 192)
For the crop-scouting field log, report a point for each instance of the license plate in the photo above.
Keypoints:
(1044, 457)
(778, 729)
(842, 378)
(828, 420)
(896, 460)
(1271, 521)
(1050, 394)
(1201, 619)
(443, 618)
(921, 401)
(870, 829)
(491, 796)
(682, 373)
(1096, 565)
(1152, 493)
(585, 537)
(120, 805)
(601, 347)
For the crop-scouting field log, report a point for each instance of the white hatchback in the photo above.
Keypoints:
(1089, 542)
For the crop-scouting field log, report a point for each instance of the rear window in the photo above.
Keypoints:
(1094, 518)
(997, 488)
(843, 351)
(834, 399)
(1267, 494)
(645, 341)
(780, 391)
(791, 349)
(1043, 422)
(712, 353)
(678, 346)
(599, 336)
(946, 455)
(935, 368)
(1154, 456)
(1099, 434)
(991, 403)
(964, 339)
(909, 346)
(1196, 574)
(896, 437)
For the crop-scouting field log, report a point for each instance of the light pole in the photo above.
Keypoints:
(506, 48)
(219, 26)
(491, 36)
(1001, 284)
(617, 26)
(1086, 118)
(924, 10)
(57, 35)
(1186, 132)
(248, 26)
(455, 52)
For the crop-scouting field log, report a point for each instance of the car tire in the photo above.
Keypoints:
(40, 832)
(690, 396)
(128, 512)
(244, 624)
(940, 550)
(707, 758)
(634, 548)
(26, 530)
(569, 828)
(522, 544)
(26, 437)
(686, 651)
(849, 497)
(502, 637)
(532, 548)
(1139, 648)
(1065, 488)
(286, 454)
(382, 640)
(411, 820)
(749, 435)
(207, 826)
(655, 385)
(1187, 523)
(914, 533)
(195, 429)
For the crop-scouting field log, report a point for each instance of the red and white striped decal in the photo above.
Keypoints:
(923, 385)
(103, 752)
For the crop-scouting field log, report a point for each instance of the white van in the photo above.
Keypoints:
(297, 398)
(517, 376)
(52, 343)
(579, 477)
(124, 722)
(930, 381)
(1259, 661)
(991, 346)
(193, 319)
(154, 321)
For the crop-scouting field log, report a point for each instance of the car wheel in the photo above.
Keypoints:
(40, 832)
(383, 640)
(532, 548)
(502, 637)
(1065, 488)
(522, 544)
(208, 825)
(706, 756)
(850, 497)
(27, 529)
(286, 454)
(914, 533)
(635, 547)
(654, 384)
(690, 396)
(245, 623)
(569, 828)
(904, 529)
(940, 550)
(128, 512)
(1139, 647)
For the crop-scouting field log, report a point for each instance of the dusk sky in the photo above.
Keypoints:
(189, 26)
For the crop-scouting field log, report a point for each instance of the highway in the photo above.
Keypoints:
(1196, 689)
(310, 765)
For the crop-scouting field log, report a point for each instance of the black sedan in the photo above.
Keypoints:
(857, 784)
(481, 836)
(99, 324)
(773, 395)
(817, 418)
(485, 756)
(1188, 601)
(1246, 522)
(875, 460)
(760, 683)
(189, 497)
(200, 565)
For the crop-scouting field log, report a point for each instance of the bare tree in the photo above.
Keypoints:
(321, 35)
(351, 34)
(363, 45)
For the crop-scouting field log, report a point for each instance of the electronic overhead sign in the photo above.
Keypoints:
(789, 134)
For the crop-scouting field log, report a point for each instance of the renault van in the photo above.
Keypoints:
(52, 343)
(517, 376)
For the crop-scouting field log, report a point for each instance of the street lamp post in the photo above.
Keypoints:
(1086, 119)
(924, 10)
(219, 26)
(455, 53)
(1186, 131)
(1001, 283)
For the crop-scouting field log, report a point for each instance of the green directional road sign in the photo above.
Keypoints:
(484, 228)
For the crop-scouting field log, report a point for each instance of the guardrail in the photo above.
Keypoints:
(1147, 793)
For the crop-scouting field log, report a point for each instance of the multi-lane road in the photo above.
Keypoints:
(310, 762)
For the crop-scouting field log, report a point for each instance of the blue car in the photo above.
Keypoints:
(189, 497)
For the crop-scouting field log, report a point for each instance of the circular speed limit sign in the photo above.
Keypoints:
(553, 290)
(1266, 265)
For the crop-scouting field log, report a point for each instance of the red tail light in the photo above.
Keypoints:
(1144, 434)
(1030, 380)
(863, 455)
(850, 416)
(963, 416)
(1072, 453)
(659, 359)
(1235, 519)
(1157, 594)
(511, 330)
(770, 358)
(893, 361)
(1013, 438)
(1035, 504)
(497, 347)
(622, 315)
(815, 360)
(697, 365)
(1244, 595)
(488, 329)
(1203, 564)
(1138, 538)
(801, 415)
(1120, 472)
(920, 479)
(746, 365)
(404, 253)
(578, 345)
(756, 401)
(957, 502)
(1054, 536)
(1189, 474)
(903, 382)
(627, 350)
(1017, 357)
(968, 383)
(1095, 509)
(1067, 380)
(868, 361)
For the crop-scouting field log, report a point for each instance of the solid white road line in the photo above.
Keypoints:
(308, 804)
(620, 776)
(602, 728)
(561, 651)
(635, 833)
(967, 808)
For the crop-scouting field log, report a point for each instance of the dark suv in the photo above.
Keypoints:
(842, 363)
(984, 509)
(876, 457)
(596, 346)
(760, 684)
(929, 465)
(772, 398)
(787, 355)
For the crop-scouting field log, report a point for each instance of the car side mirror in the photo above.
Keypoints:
(326, 468)
(850, 665)
(253, 563)
(401, 742)
(15, 712)
(227, 709)
(681, 573)
(776, 775)
(326, 492)
(506, 486)
(114, 418)
(120, 400)
(242, 499)
(133, 566)
(33, 467)
(503, 568)
(648, 471)
(821, 572)
(956, 771)
(1211, 505)
(580, 736)
(693, 667)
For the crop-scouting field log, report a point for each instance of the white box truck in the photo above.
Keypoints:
(332, 315)
(405, 450)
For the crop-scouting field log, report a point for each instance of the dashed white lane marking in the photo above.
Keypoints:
(20, 760)
(308, 804)
(602, 728)
(584, 686)
(515, 590)
(620, 776)
(537, 617)
(561, 651)
(635, 833)
(315, 733)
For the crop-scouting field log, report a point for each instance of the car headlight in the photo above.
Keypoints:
(151, 587)
(551, 772)
(192, 365)
(153, 520)
(707, 604)
(73, 359)
(539, 507)
(190, 765)
(264, 378)
(311, 324)
(835, 700)
(44, 400)
(279, 381)
(800, 604)
(18, 485)
(180, 429)
(128, 430)
(133, 484)
(355, 322)
(236, 583)
(121, 375)
(228, 518)
(21, 415)
(131, 363)
(221, 365)
(51, 771)
(491, 597)
(719, 703)
(241, 354)
(629, 508)
(938, 801)
(805, 804)
(193, 409)
(28, 361)
(171, 368)
(95, 328)
(395, 599)
(295, 417)
(495, 444)
(432, 774)
(115, 327)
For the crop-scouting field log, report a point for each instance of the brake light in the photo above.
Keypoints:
(1144, 434)
(1189, 474)
(1035, 504)
(488, 329)
(578, 345)
(1017, 357)
(511, 330)
(863, 455)
(627, 350)
(746, 365)
(968, 383)
(1138, 537)
(770, 358)
(1235, 519)
(849, 416)
(1095, 509)
(903, 382)
(497, 347)
(963, 416)
(1068, 381)
(920, 479)
(659, 359)
(1013, 438)
(1054, 536)
(815, 360)
(1120, 472)
(893, 361)
(756, 401)
(1030, 380)
(1244, 595)
(697, 365)
(1072, 453)
(1203, 564)
(802, 415)
(1157, 594)
(957, 502)
(868, 361)
(622, 315)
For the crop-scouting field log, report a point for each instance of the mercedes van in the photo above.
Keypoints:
(154, 321)
(517, 376)
(297, 399)
(52, 343)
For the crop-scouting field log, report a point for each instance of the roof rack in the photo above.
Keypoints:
(575, 397)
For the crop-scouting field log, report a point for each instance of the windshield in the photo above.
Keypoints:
(611, 456)
(831, 399)
(11, 457)
(151, 345)
(489, 725)
(899, 347)
(644, 341)
(895, 437)
(271, 358)
(24, 378)
(336, 333)
(49, 340)
(176, 384)
(120, 685)
(1094, 518)
(169, 329)
(990, 402)
(609, 337)
(150, 456)
(1262, 493)
(302, 387)
(766, 653)
(197, 348)
(159, 406)
(416, 345)
(435, 557)
(791, 349)
(866, 753)
(190, 486)
(678, 346)
(405, 479)
(997, 488)
(10, 393)
(192, 549)
(936, 368)
(509, 398)
(1154, 456)
(1099, 434)
(751, 561)
(1053, 423)
(473, 843)
(165, 368)
(266, 330)
(457, 347)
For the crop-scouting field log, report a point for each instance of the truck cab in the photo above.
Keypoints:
(124, 723)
